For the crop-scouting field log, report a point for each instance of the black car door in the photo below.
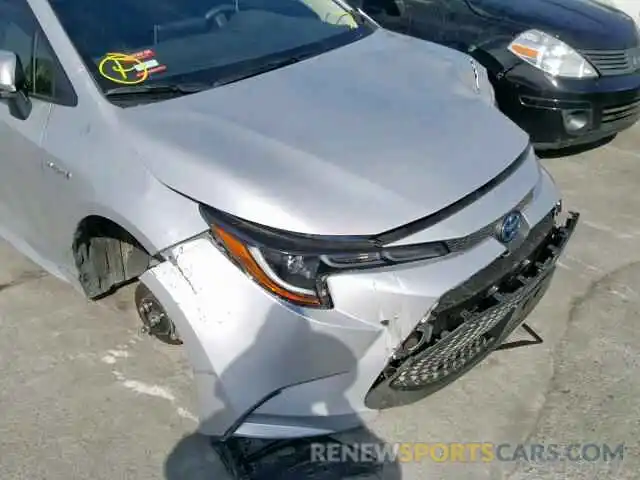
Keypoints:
(448, 22)
(427, 19)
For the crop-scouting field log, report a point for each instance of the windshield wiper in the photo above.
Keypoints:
(155, 89)
(258, 69)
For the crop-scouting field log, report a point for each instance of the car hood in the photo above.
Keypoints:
(356, 141)
(583, 24)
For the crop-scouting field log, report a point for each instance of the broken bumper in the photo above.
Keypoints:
(473, 319)
(264, 368)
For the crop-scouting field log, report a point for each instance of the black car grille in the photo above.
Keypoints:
(614, 62)
(496, 270)
(470, 241)
(619, 112)
(470, 320)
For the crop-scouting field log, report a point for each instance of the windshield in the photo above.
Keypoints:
(143, 42)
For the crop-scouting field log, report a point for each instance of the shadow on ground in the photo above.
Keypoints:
(194, 458)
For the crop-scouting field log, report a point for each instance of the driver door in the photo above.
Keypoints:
(20, 153)
(24, 207)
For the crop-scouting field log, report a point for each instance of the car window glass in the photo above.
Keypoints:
(126, 42)
(20, 33)
(45, 71)
(16, 30)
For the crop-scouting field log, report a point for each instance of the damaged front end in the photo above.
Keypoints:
(246, 346)
(276, 357)
(473, 319)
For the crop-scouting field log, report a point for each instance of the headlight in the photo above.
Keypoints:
(298, 274)
(551, 55)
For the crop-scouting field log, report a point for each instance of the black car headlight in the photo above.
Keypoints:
(551, 55)
(295, 266)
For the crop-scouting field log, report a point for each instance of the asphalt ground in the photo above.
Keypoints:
(85, 395)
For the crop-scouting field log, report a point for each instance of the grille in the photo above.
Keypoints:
(471, 318)
(499, 268)
(458, 348)
(621, 112)
(614, 62)
(470, 241)
(450, 342)
(475, 326)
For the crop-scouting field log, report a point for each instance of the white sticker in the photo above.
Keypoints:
(149, 64)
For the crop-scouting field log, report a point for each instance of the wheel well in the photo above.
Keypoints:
(107, 256)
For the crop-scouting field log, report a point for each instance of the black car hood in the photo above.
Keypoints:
(583, 24)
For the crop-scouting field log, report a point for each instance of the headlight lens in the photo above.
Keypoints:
(551, 55)
(300, 278)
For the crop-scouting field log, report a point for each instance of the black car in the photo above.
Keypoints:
(566, 71)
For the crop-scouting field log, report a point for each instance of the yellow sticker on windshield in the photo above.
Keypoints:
(123, 68)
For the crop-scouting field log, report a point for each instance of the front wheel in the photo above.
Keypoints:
(154, 317)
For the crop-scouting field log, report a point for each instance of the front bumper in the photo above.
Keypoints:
(266, 369)
(472, 320)
(560, 113)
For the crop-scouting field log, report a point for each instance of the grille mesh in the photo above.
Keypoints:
(621, 112)
(614, 62)
(476, 331)
(459, 347)
(456, 339)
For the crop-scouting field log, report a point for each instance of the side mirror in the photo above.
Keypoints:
(11, 74)
(13, 85)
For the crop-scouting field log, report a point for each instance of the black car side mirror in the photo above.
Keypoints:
(13, 85)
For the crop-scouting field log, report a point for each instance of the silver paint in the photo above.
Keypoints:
(355, 141)
(476, 76)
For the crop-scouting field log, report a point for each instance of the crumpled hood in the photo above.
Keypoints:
(355, 141)
(583, 24)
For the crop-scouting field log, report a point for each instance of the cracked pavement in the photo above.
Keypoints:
(85, 396)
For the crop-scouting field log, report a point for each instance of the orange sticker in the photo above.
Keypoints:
(144, 54)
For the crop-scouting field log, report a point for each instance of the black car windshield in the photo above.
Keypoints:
(129, 43)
